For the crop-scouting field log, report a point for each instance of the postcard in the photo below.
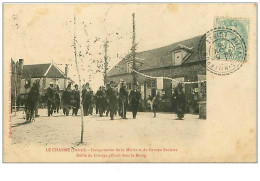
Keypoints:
(130, 82)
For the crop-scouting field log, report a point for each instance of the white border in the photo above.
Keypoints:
(125, 172)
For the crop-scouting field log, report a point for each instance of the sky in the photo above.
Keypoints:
(43, 33)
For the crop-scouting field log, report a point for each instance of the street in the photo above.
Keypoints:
(61, 130)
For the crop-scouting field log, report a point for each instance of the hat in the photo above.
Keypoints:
(69, 85)
(51, 83)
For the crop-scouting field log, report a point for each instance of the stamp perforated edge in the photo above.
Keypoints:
(248, 33)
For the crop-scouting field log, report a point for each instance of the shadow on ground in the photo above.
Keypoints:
(20, 124)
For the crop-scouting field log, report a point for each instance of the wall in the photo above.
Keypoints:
(190, 72)
(59, 81)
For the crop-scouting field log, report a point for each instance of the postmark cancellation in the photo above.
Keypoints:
(226, 46)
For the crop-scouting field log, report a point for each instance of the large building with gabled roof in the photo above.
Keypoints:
(47, 73)
(179, 61)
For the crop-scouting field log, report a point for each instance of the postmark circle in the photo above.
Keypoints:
(222, 51)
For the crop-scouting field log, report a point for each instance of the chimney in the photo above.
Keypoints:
(66, 71)
(66, 75)
(21, 64)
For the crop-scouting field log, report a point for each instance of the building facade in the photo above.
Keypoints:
(46, 73)
(178, 61)
(23, 76)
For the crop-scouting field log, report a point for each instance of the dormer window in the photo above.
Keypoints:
(177, 57)
(180, 53)
(129, 66)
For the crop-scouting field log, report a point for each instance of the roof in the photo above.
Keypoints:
(18, 70)
(42, 70)
(161, 57)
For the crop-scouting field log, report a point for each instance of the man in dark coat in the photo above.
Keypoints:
(57, 99)
(92, 102)
(123, 100)
(50, 99)
(98, 101)
(174, 97)
(66, 99)
(76, 96)
(134, 99)
(111, 94)
(86, 99)
(180, 101)
(83, 95)
(101, 100)
(32, 100)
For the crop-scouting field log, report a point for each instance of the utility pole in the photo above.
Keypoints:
(106, 63)
(80, 88)
(66, 74)
(133, 51)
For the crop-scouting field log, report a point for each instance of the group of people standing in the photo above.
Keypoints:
(178, 101)
(109, 100)
(69, 99)
(112, 100)
(52, 98)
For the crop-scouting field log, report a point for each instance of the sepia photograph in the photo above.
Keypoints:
(129, 82)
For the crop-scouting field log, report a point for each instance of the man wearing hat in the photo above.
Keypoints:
(101, 102)
(98, 96)
(67, 99)
(86, 99)
(57, 99)
(111, 94)
(180, 101)
(92, 101)
(76, 96)
(123, 100)
(50, 98)
(134, 99)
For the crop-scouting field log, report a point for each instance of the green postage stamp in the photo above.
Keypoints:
(231, 43)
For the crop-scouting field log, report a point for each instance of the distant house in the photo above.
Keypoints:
(46, 73)
(23, 76)
(179, 61)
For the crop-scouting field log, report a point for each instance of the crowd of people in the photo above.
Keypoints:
(109, 100)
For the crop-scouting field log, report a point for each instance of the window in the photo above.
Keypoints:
(177, 58)
(55, 80)
(129, 67)
(150, 84)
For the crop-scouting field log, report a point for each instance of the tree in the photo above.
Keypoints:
(79, 78)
